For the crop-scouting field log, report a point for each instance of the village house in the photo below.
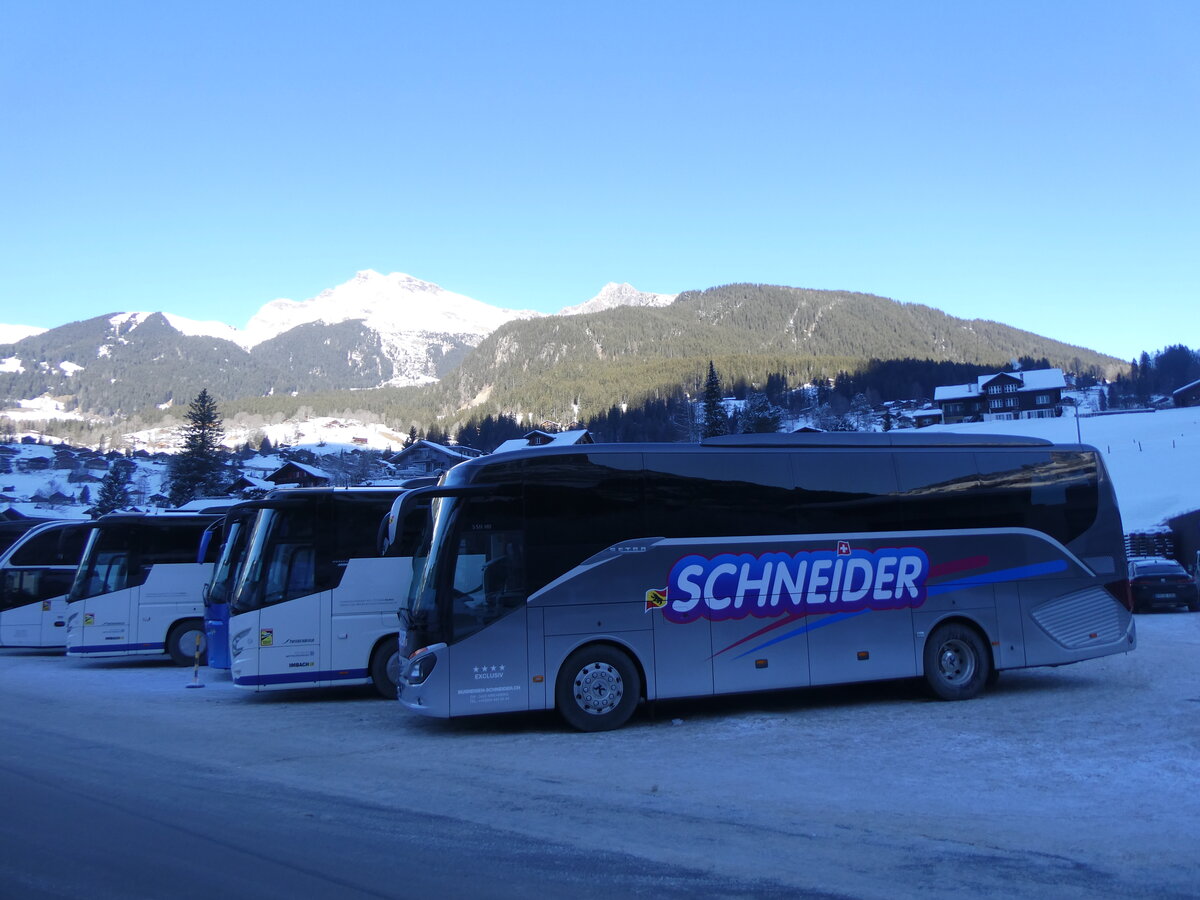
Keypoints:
(538, 438)
(1004, 395)
(299, 475)
(1188, 395)
(427, 458)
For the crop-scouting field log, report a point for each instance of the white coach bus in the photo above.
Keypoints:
(589, 579)
(139, 588)
(35, 577)
(315, 603)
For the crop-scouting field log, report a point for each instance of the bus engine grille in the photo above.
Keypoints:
(1083, 619)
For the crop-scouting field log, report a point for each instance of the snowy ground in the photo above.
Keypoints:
(1071, 782)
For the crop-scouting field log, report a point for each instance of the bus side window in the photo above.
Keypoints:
(301, 571)
(939, 490)
(16, 589)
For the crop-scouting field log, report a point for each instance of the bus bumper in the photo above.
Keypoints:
(424, 683)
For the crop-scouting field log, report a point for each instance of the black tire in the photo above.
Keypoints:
(385, 668)
(181, 642)
(598, 688)
(957, 663)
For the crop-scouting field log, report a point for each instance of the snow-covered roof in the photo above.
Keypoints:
(462, 452)
(1186, 387)
(38, 511)
(1034, 380)
(309, 470)
(546, 439)
(255, 482)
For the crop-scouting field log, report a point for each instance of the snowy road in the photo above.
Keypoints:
(1072, 782)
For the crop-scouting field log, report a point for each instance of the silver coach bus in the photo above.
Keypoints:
(588, 579)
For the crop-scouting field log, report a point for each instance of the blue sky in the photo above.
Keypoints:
(1029, 162)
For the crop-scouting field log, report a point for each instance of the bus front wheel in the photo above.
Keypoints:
(185, 640)
(957, 662)
(385, 668)
(598, 688)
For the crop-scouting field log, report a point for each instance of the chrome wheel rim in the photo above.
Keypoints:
(598, 688)
(956, 662)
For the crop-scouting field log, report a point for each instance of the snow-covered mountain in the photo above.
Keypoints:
(371, 331)
(10, 334)
(395, 304)
(613, 295)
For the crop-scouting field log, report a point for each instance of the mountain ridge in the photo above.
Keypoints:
(479, 359)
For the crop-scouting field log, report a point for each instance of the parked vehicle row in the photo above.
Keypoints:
(313, 600)
(589, 579)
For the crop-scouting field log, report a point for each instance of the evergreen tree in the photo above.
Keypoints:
(264, 446)
(196, 470)
(715, 420)
(760, 415)
(114, 492)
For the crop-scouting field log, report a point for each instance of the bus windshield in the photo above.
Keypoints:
(479, 569)
(105, 566)
(233, 549)
(280, 561)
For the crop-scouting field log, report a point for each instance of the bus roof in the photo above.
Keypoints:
(874, 439)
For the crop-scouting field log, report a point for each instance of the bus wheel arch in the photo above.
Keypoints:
(598, 686)
(182, 638)
(958, 661)
(385, 666)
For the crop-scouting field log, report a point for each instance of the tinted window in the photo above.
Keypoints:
(577, 505)
(289, 564)
(356, 524)
(488, 578)
(1049, 491)
(162, 544)
(938, 489)
(712, 494)
(55, 547)
(839, 492)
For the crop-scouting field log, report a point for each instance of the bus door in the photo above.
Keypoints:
(487, 607)
(294, 618)
(108, 605)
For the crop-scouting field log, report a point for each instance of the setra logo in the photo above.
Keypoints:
(266, 637)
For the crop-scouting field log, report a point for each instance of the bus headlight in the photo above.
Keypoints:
(420, 668)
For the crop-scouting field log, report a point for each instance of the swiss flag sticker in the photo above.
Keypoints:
(843, 548)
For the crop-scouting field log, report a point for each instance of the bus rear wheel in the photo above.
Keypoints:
(184, 639)
(385, 668)
(957, 663)
(598, 688)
